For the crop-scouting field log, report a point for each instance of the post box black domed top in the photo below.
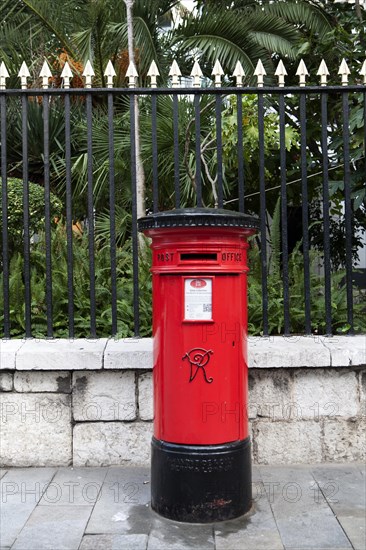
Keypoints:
(198, 217)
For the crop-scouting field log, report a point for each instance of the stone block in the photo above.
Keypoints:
(35, 429)
(347, 351)
(287, 442)
(112, 443)
(8, 352)
(270, 394)
(42, 381)
(282, 351)
(326, 392)
(61, 354)
(362, 389)
(6, 381)
(129, 353)
(104, 396)
(145, 393)
(344, 440)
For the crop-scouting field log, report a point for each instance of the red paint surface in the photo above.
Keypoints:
(199, 411)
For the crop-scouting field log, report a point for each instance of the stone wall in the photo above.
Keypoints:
(88, 403)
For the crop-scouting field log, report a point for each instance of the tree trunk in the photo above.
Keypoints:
(140, 174)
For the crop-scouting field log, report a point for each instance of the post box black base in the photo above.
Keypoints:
(201, 483)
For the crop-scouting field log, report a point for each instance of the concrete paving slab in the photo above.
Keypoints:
(110, 517)
(22, 485)
(171, 535)
(305, 547)
(21, 491)
(303, 516)
(2, 473)
(256, 474)
(257, 530)
(355, 529)
(13, 517)
(54, 527)
(114, 542)
(76, 486)
(344, 488)
(123, 506)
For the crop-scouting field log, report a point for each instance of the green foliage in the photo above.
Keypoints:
(125, 319)
(36, 212)
(81, 289)
(297, 290)
(297, 297)
(251, 148)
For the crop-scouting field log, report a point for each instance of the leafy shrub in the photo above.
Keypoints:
(81, 287)
(125, 317)
(36, 212)
(297, 297)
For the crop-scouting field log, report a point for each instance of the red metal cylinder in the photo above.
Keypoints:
(199, 266)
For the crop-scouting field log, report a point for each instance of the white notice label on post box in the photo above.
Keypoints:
(198, 299)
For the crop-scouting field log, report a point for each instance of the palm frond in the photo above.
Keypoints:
(303, 14)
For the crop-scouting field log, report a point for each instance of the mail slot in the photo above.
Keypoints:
(201, 470)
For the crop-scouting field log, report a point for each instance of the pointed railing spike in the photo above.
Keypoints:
(239, 73)
(323, 73)
(260, 73)
(302, 73)
(131, 74)
(66, 75)
(3, 75)
(153, 73)
(344, 72)
(88, 73)
(363, 71)
(281, 73)
(110, 73)
(217, 72)
(24, 74)
(45, 74)
(175, 74)
(196, 73)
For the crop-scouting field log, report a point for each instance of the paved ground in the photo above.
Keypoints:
(295, 507)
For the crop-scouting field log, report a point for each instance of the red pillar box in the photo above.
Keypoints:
(201, 469)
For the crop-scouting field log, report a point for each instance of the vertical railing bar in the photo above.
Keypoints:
(263, 228)
(5, 235)
(198, 176)
(305, 214)
(89, 122)
(220, 190)
(112, 214)
(26, 230)
(136, 312)
(176, 150)
(284, 231)
(69, 220)
(154, 153)
(364, 133)
(347, 209)
(239, 107)
(326, 223)
(46, 168)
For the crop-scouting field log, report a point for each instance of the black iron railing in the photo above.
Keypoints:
(268, 100)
